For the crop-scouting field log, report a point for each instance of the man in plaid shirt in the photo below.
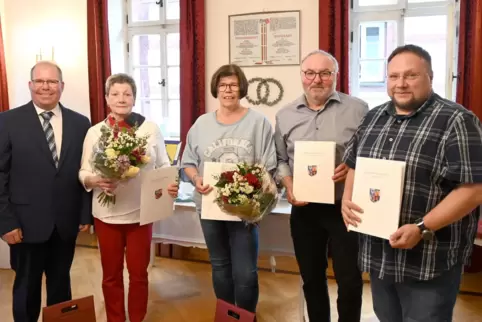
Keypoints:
(415, 276)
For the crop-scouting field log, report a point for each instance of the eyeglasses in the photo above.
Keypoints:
(224, 87)
(324, 75)
(395, 77)
(49, 82)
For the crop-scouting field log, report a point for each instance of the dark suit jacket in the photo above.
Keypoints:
(34, 195)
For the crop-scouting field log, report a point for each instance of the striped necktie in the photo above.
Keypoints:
(49, 134)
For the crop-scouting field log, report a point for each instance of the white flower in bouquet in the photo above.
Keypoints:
(248, 192)
(119, 154)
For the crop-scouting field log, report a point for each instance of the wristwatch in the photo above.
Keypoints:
(427, 234)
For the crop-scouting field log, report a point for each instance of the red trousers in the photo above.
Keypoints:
(135, 241)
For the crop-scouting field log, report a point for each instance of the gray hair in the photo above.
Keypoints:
(48, 63)
(121, 78)
(322, 52)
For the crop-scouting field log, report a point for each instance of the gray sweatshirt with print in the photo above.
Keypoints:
(248, 140)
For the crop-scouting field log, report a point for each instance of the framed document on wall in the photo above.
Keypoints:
(265, 38)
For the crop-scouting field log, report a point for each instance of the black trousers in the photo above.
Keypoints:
(313, 228)
(30, 261)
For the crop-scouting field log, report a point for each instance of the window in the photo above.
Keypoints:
(153, 58)
(379, 26)
(372, 53)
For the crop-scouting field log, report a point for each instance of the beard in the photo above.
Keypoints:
(319, 93)
(410, 105)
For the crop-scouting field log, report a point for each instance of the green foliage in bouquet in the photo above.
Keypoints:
(247, 191)
(118, 154)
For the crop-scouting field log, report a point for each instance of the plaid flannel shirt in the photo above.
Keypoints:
(441, 143)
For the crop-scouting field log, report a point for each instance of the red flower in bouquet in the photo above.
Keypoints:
(253, 180)
(228, 176)
(118, 154)
(248, 192)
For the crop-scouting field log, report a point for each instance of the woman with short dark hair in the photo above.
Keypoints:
(231, 134)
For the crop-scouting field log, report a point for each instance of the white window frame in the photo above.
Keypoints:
(400, 5)
(381, 35)
(398, 13)
(394, 15)
(377, 8)
(454, 20)
(160, 27)
(162, 17)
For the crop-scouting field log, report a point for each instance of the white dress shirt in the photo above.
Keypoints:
(126, 210)
(56, 122)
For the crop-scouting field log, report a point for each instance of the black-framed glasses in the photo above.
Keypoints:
(324, 75)
(49, 82)
(224, 87)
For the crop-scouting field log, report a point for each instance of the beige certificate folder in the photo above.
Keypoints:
(156, 203)
(209, 209)
(378, 190)
(313, 170)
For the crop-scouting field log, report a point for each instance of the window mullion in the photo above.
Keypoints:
(159, 27)
(401, 29)
(355, 73)
(452, 54)
(165, 101)
(162, 12)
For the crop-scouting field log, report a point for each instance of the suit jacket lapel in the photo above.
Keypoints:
(67, 133)
(38, 137)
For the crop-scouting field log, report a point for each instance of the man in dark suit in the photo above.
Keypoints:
(42, 204)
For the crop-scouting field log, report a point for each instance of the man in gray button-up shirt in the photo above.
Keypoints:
(321, 114)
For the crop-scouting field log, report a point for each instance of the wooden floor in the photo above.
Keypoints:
(182, 291)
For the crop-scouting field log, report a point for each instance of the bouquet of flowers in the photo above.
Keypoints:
(119, 154)
(248, 191)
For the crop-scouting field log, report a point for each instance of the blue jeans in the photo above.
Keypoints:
(416, 301)
(233, 252)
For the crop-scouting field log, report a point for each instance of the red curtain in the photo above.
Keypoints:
(192, 63)
(469, 84)
(3, 76)
(334, 36)
(98, 52)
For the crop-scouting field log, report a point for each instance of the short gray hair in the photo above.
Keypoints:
(325, 53)
(121, 78)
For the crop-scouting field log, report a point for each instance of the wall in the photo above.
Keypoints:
(2, 8)
(217, 45)
(57, 23)
(63, 24)
(2, 18)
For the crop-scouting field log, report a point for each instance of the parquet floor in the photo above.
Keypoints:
(180, 291)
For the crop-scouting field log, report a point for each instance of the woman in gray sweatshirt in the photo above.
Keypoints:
(231, 134)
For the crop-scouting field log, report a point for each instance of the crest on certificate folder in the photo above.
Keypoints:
(312, 170)
(374, 195)
(158, 193)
